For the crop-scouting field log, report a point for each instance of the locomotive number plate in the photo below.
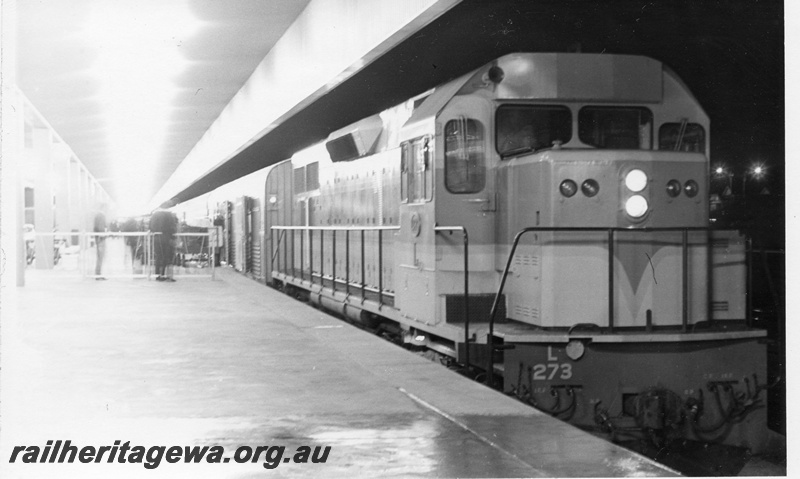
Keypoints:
(549, 371)
(552, 369)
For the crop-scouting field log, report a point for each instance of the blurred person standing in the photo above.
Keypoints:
(100, 226)
(133, 243)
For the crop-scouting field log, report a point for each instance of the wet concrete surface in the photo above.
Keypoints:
(232, 363)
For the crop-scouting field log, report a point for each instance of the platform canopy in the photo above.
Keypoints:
(166, 99)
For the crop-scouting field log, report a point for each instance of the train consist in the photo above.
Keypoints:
(553, 206)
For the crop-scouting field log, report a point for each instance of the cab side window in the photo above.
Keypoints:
(464, 156)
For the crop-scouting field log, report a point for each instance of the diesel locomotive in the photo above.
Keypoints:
(543, 219)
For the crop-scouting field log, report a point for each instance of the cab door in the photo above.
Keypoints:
(415, 243)
(465, 185)
(278, 206)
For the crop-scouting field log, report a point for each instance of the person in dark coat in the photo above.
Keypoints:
(164, 225)
(219, 224)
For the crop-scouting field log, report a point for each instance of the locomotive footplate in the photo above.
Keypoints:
(706, 390)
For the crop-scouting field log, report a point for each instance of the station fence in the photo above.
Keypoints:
(127, 255)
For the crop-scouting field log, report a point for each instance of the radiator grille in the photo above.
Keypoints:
(255, 258)
(528, 312)
(719, 306)
(720, 243)
(526, 260)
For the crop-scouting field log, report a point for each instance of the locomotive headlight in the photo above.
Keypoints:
(636, 206)
(636, 180)
(568, 188)
(673, 188)
(691, 188)
(590, 188)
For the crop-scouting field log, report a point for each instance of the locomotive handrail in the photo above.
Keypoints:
(347, 229)
(466, 285)
(336, 228)
(277, 248)
(684, 273)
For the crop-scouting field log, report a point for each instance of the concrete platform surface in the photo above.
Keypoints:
(232, 363)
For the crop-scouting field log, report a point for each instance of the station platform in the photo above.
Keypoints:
(229, 362)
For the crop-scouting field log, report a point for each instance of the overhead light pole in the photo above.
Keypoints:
(756, 171)
(720, 171)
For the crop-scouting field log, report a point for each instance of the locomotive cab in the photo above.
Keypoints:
(527, 142)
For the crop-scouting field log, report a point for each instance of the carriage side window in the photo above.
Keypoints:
(616, 128)
(523, 128)
(416, 170)
(464, 156)
(686, 137)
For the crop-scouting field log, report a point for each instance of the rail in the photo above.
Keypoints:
(611, 234)
(464, 234)
(277, 248)
(349, 283)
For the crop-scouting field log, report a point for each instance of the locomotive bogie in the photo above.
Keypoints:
(691, 389)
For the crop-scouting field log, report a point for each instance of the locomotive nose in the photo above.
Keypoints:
(652, 189)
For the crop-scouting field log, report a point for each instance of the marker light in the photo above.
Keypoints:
(496, 74)
(636, 206)
(673, 188)
(568, 188)
(691, 188)
(575, 349)
(590, 188)
(636, 180)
